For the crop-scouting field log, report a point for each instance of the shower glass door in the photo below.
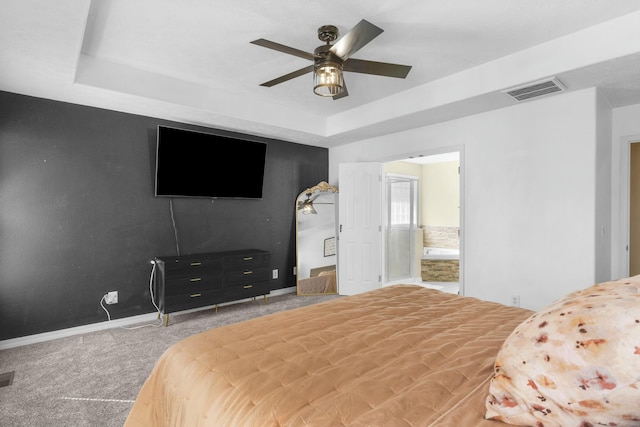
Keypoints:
(401, 223)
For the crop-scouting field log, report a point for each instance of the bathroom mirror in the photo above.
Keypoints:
(316, 245)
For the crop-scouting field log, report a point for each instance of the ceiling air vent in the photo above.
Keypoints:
(534, 89)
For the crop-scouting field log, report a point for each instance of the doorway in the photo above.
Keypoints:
(362, 244)
(423, 238)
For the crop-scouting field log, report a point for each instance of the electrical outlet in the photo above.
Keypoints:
(111, 297)
(515, 300)
(274, 274)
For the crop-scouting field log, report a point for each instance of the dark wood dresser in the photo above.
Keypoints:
(199, 280)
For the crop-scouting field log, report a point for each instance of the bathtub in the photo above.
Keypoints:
(440, 253)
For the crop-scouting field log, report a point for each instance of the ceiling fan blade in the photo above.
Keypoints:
(342, 94)
(378, 68)
(285, 49)
(354, 40)
(289, 76)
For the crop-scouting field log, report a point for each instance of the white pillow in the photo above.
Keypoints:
(574, 363)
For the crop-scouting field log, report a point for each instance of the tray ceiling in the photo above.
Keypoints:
(191, 61)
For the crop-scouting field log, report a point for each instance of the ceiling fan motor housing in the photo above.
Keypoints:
(323, 53)
(328, 33)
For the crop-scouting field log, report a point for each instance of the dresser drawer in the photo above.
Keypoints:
(233, 277)
(248, 261)
(246, 290)
(184, 285)
(192, 300)
(191, 267)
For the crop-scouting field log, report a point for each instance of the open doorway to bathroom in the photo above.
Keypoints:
(422, 236)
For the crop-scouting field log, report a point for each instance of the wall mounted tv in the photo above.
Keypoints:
(197, 164)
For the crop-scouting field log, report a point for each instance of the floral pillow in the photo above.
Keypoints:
(574, 363)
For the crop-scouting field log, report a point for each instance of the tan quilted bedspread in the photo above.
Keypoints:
(401, 355)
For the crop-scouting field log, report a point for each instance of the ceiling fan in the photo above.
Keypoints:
(329, 61)
(306, 206)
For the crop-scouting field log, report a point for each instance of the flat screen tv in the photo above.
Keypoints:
(197, 164)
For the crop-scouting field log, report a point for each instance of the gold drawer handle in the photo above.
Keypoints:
(196, 279)
(195, 295)
(248, 258)
(248, 286)
(247, 272)
(195, 264)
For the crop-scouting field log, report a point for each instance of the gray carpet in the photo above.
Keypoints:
(92, 379)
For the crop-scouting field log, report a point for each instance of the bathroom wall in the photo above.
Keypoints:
(440, 192)
(440, 213)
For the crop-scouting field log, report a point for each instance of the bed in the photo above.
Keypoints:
(322, 281)
(402, 355)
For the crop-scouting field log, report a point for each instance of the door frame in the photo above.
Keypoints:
(621, 252)
(432, 152)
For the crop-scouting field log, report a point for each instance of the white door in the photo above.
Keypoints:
(360, 227)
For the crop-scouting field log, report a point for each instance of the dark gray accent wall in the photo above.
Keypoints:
(78, 216)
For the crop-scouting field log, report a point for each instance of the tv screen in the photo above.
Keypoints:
(197, 164)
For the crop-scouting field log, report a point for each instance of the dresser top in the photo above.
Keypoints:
(210, 255)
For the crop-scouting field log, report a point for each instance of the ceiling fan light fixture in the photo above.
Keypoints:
(307, 206)
(327, 78)
(309, 210)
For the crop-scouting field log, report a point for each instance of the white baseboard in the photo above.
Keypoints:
(115, 323)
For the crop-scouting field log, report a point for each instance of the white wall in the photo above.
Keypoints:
(529, 211)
